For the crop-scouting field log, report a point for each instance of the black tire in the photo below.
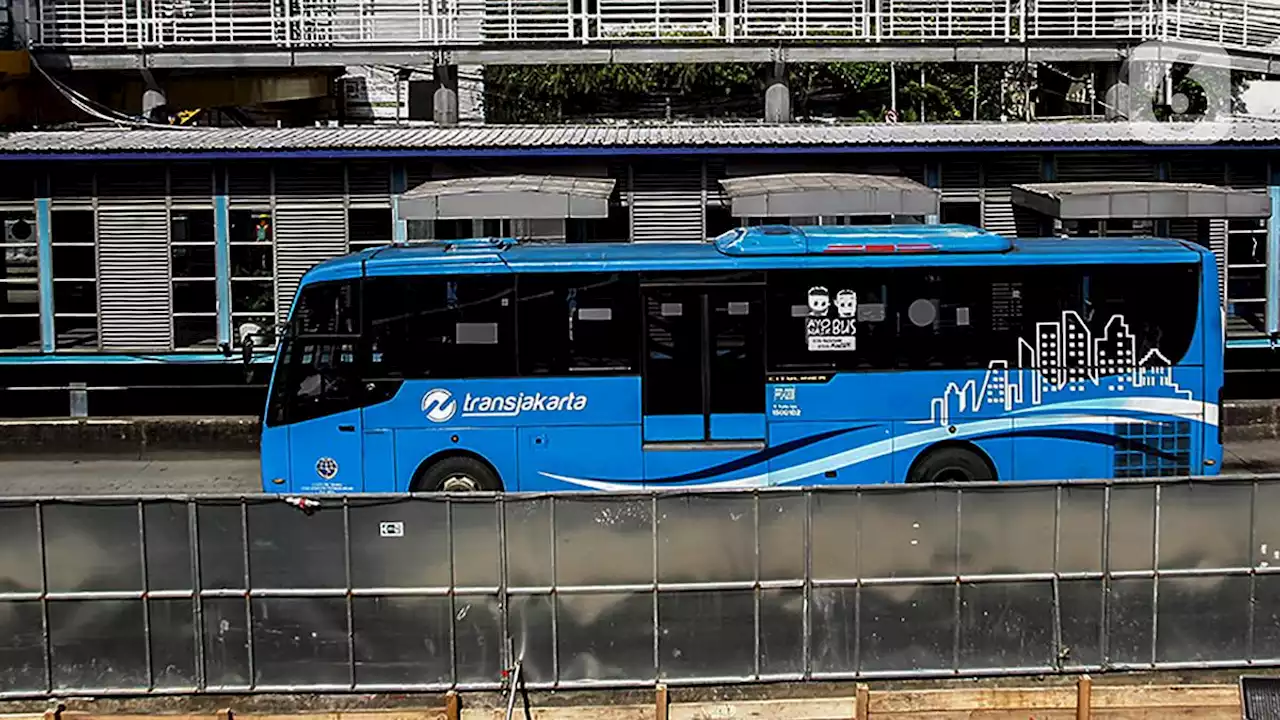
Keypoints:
(951, 464)
(457, 473)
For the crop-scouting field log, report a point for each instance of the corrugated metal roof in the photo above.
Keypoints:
(569, 137)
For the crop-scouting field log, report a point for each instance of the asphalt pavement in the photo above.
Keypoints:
(231, 474)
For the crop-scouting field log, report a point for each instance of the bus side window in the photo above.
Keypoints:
(578, 323)
(945, 319)
(437, 326)
(834, 319)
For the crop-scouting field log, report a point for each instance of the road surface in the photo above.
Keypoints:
(192, 473)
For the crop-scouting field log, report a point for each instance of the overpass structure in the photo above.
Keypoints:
(192, 34)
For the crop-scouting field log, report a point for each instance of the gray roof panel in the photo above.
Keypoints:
(487, 138)
(524, 197)
(1140, 200)
(825, 194)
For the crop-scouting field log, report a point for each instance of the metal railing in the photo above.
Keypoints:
(165, 595)
(175, 24)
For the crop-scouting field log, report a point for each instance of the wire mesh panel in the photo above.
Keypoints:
(429, 592)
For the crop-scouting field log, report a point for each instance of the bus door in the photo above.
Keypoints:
(704, 375)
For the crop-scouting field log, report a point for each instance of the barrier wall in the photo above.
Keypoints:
(181, 595)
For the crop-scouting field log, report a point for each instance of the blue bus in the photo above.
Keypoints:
(769, 356)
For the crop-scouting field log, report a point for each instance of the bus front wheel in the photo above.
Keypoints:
(457, 473)
(950, 464)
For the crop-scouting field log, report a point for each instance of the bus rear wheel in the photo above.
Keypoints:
(457, 473)
(951, 464)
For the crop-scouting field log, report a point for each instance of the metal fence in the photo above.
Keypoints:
(155, 24)
(128, 595)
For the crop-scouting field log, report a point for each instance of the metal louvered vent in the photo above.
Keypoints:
(249, 183)
(997, 213)
(997, 202)
(961, 180)
(305, 237)
(369, 180)
(71, 181)
(667, 205)
(1102, 167)
(1260, 697)
(133, 262)
(191, 181)
(1217, 238)
(302, 182)
(1247, 173)
(1195, 169)
(132, 183)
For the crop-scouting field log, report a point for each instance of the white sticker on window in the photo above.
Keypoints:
(962, 316)
(739, 308)
(672, 309)
(595, 313)
(391, 529)
(477, 333)
(825, 330)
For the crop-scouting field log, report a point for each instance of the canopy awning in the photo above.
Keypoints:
(511, 197)
(1140, 200)
(827, 194)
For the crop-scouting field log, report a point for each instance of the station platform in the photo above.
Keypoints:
(147, 437)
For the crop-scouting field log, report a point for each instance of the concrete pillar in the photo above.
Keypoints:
(445, 102)
(777, 95)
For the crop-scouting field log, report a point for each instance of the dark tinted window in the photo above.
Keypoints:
(319, 371)
(830, 320)
(316, 378)
(441, 326)
(578, 323)
(965, 318)
(328, 308)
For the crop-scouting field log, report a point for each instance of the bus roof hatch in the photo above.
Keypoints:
(861, 240)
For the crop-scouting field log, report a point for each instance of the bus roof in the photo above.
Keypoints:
(759, 248)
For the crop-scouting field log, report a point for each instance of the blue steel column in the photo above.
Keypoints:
(1273, 259)
(222, 265)
(932, 178)
(44, 270)
(399, 228)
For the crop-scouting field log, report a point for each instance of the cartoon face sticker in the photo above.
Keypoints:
(847, 303)
(819, 301)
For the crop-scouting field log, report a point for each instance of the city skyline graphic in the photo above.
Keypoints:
(1064, 358)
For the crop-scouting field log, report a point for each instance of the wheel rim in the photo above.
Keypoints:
(952, 475)
(459, 483)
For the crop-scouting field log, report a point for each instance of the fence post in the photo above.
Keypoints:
(862, 707)
(1084, 698)
(661, 703)
(452, 705)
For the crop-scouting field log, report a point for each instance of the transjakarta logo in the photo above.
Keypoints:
(440, 405)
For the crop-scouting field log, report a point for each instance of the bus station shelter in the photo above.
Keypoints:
(1232, 222)
(804, 198)
(534, 206)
